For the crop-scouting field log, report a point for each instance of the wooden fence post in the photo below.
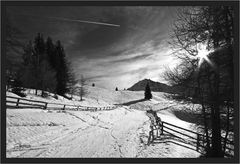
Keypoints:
(162, 128)
(45, 107)
(197, 142)
(17, 102)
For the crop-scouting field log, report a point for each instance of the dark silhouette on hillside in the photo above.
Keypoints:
(45, 67)
(155, 86)
(133, 102)
(147, 94)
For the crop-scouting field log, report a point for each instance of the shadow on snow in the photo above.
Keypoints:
(132, 102)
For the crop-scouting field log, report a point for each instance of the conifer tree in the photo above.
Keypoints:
(36, 71)
(44, 62)
(47, 76)
(71, 84)
(80, 88)
(62, 75)
(57, 59)
(30, 67)
(39, 48)
(51, 53)
(37, 57)
(147, 94)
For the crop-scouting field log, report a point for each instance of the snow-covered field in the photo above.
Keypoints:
(122, 132)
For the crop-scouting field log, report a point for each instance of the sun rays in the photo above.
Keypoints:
(203, 55)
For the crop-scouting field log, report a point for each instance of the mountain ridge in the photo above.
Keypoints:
(154, 86)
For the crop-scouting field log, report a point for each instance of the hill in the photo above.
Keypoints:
(155, 86)
(122, 132)
(101, 97)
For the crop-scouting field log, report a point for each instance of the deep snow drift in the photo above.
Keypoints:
(122, 132)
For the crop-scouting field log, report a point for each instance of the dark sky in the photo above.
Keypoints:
(108, 55)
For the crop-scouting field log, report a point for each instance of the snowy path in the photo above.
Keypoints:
(118, 133)
(35, 133)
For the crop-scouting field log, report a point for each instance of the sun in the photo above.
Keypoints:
(203, 55)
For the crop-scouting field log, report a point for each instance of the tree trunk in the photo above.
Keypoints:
(206, 127)
(216, 132)
(227, 128)
(81, 94)
(201, 94)
(215, 113)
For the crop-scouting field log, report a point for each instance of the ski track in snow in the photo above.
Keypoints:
(88, 139)
(118, 133)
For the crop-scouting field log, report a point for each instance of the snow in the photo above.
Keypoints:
(122, 132)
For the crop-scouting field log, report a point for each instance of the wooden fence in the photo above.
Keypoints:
(15, 102)
(193, 138)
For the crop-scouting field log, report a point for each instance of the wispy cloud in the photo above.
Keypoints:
(113, 46)
(133, 67)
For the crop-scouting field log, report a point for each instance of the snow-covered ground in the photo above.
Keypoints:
(122, 132)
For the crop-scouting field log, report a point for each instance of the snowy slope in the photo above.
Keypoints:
(122, 132)
(72, 134)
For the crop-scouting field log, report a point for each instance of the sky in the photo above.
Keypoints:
(132, 44)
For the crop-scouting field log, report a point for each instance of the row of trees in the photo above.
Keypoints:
(45, 66)
(208, 79)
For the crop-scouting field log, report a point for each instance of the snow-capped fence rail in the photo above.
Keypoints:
(184, 133)
(191, 137)
(26, 103)
(15, 102)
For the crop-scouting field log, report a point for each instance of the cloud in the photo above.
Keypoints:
(109, 71)
(111, 56)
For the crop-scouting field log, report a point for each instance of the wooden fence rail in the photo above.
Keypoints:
(199, 140)
(19, 103)
(165, 127)
(182, 128)
(45, 105)
(194, 142)
(25, 99)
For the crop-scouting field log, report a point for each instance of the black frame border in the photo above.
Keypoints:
(5, 4)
